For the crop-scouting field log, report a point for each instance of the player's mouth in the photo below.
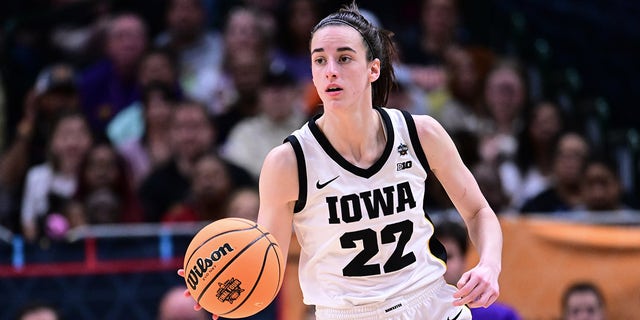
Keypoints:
(333, 89)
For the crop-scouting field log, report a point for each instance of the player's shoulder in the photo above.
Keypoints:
(427, 126)
(282, 157)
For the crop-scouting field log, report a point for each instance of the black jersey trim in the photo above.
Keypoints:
(341, 161)
(302, 173)
(415, 140)
(435, 246)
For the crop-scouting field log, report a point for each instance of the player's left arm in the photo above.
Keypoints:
(478, 287)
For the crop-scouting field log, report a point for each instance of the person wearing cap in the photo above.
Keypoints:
(279, 107)
(54, 91)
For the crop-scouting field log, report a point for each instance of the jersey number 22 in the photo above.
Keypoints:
(358, 267)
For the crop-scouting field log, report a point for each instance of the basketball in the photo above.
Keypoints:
(233, 268)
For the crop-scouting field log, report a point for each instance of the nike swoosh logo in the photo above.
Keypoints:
(457, 315)
(322, 185)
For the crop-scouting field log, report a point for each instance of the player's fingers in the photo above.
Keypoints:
(480, 301)
(214, 317)
(462, 286)
(474, 293)
(181, 272)
(187, 293)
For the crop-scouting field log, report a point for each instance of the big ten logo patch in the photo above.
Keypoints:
(404, 165)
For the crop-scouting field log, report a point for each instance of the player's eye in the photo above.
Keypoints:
(320, 60)
(344, 59)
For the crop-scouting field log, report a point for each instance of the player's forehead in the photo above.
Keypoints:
(333, 37)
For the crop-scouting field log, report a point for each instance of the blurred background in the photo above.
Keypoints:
(125, 126)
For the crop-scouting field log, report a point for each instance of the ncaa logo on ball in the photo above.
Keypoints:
(203, 265)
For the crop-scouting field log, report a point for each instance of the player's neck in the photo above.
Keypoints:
(358, 136)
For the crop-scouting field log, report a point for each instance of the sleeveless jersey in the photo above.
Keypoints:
(364, 234)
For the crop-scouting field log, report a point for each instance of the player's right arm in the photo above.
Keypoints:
(278, 193)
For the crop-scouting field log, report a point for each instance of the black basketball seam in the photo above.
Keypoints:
(255, 284)
(204, 290)
(217, 235)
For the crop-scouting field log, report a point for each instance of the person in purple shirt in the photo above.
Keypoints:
(110, 84)
(453, 236)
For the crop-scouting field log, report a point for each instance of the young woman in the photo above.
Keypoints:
(351, 183)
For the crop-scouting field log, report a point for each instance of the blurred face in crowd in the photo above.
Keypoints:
(186, 18)
(102, 167)
(191, 131)
(210, 179)
(126, 41)
(464, 75)
(242, 32)
(545, 123)
(157, 111)
(601, 188)
(570, 158)
(244, 203)
(583, 305)
(70, 141)
(439, 18)
(156, 67)
(247, 70)
(302, 18)
(277, 102)
(504, 94)
(40, 314)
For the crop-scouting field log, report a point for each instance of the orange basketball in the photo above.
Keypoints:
(233, 268)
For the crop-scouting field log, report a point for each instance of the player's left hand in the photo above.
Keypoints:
(478, 287)
(197, 306)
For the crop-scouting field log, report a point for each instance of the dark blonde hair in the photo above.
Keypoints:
(378, 43)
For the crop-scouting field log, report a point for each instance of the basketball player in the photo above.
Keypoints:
(351, 183)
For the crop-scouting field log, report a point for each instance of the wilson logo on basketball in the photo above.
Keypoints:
(203, 265)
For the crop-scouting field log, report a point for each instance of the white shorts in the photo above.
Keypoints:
(434, 302)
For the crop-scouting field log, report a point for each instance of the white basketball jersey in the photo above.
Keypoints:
(364, 233)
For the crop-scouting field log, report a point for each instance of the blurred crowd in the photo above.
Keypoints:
(162, 111)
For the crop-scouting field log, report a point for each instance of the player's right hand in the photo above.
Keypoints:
(197, 306)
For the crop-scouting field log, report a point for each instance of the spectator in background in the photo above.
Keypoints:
(583, 301)
(38, 311)
(528, 173)
(152, 148)
(453, 237)
(563, 194)
(209, 193)
(465, 109)
(247, 52)
(198, 49)
(293, 36)
(110, 85)
(488, 178)
(157, 68)
(174, 305)
(279, 114)
(601, 187)
(50, 185)
(54, 91)
(76, 30)
(104, 193)
(505, 96)
(191, 135)
(246, 70)
(422, 55)
(244, 203)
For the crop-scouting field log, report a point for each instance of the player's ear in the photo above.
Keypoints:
(374, 70)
